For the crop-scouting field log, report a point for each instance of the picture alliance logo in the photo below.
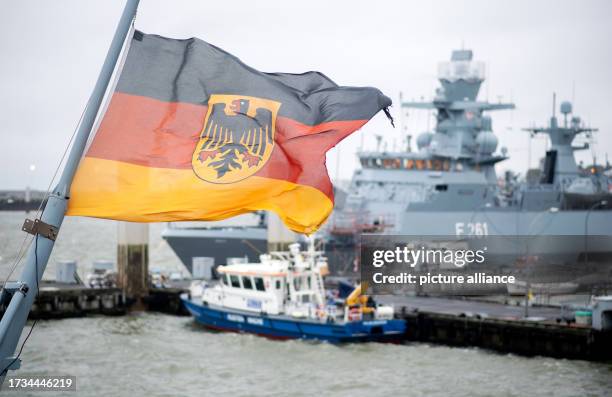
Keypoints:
(413, 257)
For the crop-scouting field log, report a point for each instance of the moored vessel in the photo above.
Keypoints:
(244, 236)
(558, 218)
(283, 297)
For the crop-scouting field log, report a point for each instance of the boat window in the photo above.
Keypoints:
(305, 298)
(246, 282)
(223, 279)
(259, 284)
(235, 281)
(297, 283)
(420, 164)
(278, 284)
(409, 164)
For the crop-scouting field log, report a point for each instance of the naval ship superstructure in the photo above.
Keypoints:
(449, 187)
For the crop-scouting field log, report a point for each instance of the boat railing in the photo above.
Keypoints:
(353, 313)
(352, 223)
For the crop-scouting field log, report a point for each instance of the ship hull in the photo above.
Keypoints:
(282, 327)
(506, 223)
(219, 244)
(568, 238)
(565, 245)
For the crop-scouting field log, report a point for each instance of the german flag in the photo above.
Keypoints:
(192, 133)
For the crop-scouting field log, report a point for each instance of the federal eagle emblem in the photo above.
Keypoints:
(237, 139)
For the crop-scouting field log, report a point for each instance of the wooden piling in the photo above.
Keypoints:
(133, 262)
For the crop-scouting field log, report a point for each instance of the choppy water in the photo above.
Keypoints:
(80, 239)
(158, 355)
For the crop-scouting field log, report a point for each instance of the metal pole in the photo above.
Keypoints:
(527, 260)
(16, 314)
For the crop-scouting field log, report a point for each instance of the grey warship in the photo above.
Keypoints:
(449, 187)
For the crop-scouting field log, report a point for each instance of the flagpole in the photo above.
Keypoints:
(22, 293)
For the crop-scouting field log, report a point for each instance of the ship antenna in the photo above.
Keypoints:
(337, 164)
(554, 109)
(401, 120)
(488, 81)
(361, 140)
(251, 246)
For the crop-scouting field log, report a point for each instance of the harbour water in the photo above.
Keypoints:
(160, 355)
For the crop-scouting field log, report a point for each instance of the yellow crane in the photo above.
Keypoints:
(357, 298)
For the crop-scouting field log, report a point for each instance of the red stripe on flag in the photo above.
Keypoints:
(145, 131)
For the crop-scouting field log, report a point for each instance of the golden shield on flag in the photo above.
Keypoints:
(237, 138)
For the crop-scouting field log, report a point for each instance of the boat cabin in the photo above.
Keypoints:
(282, 283)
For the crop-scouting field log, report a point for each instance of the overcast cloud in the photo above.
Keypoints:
(51, 53)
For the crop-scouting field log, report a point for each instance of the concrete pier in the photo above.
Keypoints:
(499, 327)
(453, 322)
(69, 300)
(168, 300)
(133, 262)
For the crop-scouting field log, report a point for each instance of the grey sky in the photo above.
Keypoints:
(51, 52)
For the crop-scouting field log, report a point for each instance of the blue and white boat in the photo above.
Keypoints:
(283, 297)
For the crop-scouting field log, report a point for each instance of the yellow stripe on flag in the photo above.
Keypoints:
(117, 190)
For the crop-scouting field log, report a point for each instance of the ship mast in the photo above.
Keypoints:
(20, 295)
(559, 163)
(459, 114)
